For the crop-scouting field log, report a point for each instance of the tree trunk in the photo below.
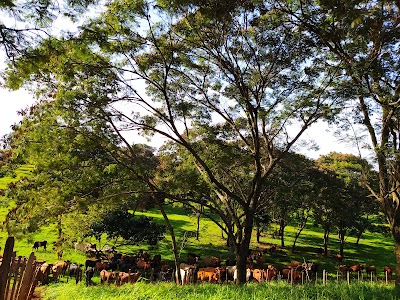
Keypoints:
(242, 248)
(397, 255)
(59, 228)
(359, 234)
(326, 241)
(297, 236)
(281, 231)
(198, 227)
(174, 246)
(258, 234)
(198, 223)
(241, 258)
(241, 266)
(342, 234)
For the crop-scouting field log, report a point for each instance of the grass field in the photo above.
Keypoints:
(373, 249)
(251, 291)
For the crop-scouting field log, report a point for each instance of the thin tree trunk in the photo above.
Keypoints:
(198, 223)
(174, 246)
(342, 234)
(59, 228)
(326, 241)
(258, 234)
(303, 225)
(359, 235)
(281, 232)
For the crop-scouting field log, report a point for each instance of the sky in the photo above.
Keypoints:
(321, 133)
(11, 102)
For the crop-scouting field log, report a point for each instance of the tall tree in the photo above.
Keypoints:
(74, 169)
(289, 187)
(327, 193)
(361, 38)
(226, 81)
(355, 203)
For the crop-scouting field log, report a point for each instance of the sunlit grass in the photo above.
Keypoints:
(276, 290)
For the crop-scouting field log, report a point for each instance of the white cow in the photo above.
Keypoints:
(187, 272)
(248, 274)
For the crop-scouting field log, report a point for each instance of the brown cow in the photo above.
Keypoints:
(272, 272)
(211, 261)
(339, 257)
(345, 269)
(44, 272)
(297, 265)
(254, 254)
(127, 278)
(209, 274)
(291, 274)
(63, 265)
(143, 265)
(100, 266)
(259, 274)
(370, 270)
(56, 270)
(310, 267)
(357, 268)
(260, 262)
(388, 271)
(106, 276)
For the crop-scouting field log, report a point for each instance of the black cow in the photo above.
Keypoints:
(192, 258)
(75, 271)
(89, 274)
(38, 244)
(91, 263)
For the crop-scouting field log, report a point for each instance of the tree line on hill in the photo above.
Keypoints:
(232, 85)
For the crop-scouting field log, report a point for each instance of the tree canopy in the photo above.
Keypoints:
(232, 85)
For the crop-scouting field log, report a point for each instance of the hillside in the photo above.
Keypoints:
(373, 249)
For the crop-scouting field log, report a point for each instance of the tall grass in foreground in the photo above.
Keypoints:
(253, 291)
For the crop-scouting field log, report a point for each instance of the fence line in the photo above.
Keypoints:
(17, 274)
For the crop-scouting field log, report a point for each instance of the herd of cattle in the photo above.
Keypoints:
(113, 266)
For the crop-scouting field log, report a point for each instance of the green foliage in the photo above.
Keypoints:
(122, 224)
(225, 82)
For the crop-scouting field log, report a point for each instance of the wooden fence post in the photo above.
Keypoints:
(30, 272)
(5, 266)
(17, 275)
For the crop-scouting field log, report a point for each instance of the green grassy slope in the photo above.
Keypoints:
(373, 249)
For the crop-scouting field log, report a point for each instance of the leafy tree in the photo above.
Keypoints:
(231, 82)
(122, 224)
(74, 169)
(360, 39)
(351, 206)
(289, 187)
(327, 191)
